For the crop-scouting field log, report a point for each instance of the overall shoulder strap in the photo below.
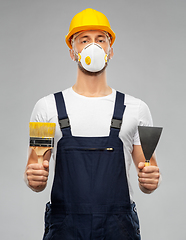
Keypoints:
(62, 114)
(118, 114)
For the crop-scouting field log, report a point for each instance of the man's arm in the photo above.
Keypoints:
(36, 175)
(148, 177)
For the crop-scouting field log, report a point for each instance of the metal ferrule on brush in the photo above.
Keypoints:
(41, 142)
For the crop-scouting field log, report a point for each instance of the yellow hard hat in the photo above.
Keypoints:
(89, 19)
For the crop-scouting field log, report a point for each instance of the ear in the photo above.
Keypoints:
(111, 53)
(72, 55)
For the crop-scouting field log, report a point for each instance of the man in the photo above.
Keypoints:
(95, 125)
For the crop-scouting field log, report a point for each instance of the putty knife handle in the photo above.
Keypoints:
(147, 163)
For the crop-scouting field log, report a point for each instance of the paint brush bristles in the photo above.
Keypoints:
(42, 130)
(41, 138)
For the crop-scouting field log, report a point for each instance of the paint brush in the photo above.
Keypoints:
(41, 138)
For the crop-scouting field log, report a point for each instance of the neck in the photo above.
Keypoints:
(92, 86)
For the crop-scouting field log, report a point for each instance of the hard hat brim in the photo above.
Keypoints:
(87, 28)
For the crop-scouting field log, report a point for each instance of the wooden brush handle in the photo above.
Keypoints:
(40, 151)
(40, 159)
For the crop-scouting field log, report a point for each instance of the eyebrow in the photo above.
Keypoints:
(86, 36)
(103, 35)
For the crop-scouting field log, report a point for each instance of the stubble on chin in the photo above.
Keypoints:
(91, 73)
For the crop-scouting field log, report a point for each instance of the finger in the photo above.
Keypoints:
(150, 187)
(35, 166)
(148, 181)
(38, 167)
(141, 165)
(34, 184)
(37, 184)
(33, 172)
(37, 178)
(151, 169)
(152, 175)
(46, 164)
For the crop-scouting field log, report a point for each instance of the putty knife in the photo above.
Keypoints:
(149, 137)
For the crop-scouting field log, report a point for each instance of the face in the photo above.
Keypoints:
(87, 37)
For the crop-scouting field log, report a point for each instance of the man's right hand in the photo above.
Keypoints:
(37, 175)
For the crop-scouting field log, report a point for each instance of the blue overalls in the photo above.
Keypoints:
(90, 196)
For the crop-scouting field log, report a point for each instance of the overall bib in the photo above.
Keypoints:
(90, 196)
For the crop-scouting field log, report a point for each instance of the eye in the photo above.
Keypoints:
(84, 41)
(101, 40)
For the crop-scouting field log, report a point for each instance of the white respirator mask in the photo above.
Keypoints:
(93, 57)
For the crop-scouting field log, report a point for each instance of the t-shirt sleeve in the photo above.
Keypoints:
(45, 111)
(144, 119)
(39, 113)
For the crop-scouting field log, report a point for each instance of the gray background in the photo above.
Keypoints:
(149, 63)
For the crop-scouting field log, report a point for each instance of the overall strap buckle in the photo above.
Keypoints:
(64, 123)
(116, 123)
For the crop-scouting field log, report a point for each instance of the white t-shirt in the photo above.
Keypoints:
(91, 117)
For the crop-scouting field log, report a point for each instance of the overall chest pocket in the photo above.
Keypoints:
(89, 149)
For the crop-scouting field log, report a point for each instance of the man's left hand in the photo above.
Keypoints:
(148, 177)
